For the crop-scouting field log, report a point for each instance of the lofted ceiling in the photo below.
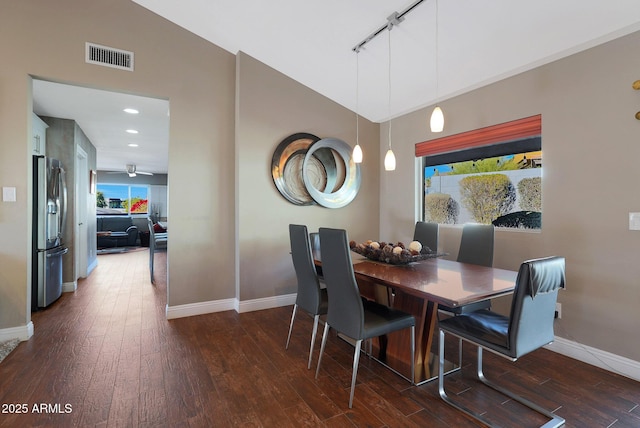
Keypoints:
(479, 42)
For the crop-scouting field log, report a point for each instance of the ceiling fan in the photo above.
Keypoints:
(131, 170)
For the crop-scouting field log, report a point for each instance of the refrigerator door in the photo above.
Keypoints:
(49, 216)
(56, 202)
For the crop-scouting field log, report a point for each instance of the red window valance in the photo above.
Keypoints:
(508, 131)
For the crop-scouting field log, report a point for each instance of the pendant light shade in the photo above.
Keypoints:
(390, 161)
(357, 154)
(437, 120)
(390, 158)
(357, 150)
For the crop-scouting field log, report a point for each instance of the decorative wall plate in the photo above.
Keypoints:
(307, 170)
(328, 196)
(286, 168)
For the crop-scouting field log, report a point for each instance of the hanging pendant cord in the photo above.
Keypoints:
(357, 95)
(437, 61)
(389, 86)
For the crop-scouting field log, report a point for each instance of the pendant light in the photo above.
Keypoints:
(437, 117)
(390, 158)
(357, 150)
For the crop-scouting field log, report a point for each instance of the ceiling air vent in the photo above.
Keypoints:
(108, 57)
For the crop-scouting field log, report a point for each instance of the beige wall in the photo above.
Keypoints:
(46, 40)
(270, 108)
(590, 142)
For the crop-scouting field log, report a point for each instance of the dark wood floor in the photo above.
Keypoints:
(106, 356)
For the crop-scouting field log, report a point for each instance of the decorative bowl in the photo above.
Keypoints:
(394, 254)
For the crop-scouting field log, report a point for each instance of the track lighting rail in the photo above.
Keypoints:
(394, 19)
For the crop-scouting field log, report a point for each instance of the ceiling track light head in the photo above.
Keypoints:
(394, 19)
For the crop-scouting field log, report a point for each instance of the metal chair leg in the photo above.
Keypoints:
(324, 341)
(293, 316)
(441, 389)
(356, 359)
(313, 338)
(556, 421)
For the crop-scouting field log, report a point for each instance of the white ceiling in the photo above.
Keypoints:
(101, 117)
(479, 42)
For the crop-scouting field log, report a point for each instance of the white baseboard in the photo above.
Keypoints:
(266, 303)
(69, 287)
(200, 308)
(23, 332)
(596, 357)
(92, 266)
(213, 306)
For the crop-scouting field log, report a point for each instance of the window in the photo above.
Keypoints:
(491, 176)
(114, 199)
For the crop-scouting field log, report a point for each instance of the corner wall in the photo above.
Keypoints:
(44, 40)
(590, 150)
(270, 107)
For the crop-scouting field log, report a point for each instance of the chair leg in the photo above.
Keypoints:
(293, 316)
(441, 389)
(356, 359)
(556, 421)
(324, 341)
(152, 251)
(316, 318)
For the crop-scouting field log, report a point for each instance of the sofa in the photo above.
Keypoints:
(116, 231)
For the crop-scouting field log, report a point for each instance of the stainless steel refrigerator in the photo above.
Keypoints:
(49, 216)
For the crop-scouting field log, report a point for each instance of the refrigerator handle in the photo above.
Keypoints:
(63, 190)
(58, 253)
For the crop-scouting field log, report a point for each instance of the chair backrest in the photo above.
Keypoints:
(476, 245)
(308, 297)
(345, 313)
(534, 304)
(426, 234)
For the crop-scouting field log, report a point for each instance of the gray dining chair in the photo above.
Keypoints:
(476, 247)
(348, 313)
(314, 239)
(528, 327)
(156, 241)
(427, 234)
(310, 297)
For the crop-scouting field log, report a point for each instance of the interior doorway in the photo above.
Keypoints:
(101, 142)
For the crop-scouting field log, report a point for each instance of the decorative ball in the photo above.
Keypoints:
(415, 246)
(397, 250)
(374, 245)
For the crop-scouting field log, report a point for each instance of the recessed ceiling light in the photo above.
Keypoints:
(132, 145)
(132, 131)
(131, 111)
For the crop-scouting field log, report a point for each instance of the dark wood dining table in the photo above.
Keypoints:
(418, 288)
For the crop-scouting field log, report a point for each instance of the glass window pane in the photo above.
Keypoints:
(503, 190)
(139, 199)
(112, 199)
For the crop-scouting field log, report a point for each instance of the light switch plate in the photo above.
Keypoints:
(9, 194)
(634, 221)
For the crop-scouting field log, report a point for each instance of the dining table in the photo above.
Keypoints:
(418, 288)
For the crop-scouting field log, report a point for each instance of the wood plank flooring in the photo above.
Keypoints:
(106, 356)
